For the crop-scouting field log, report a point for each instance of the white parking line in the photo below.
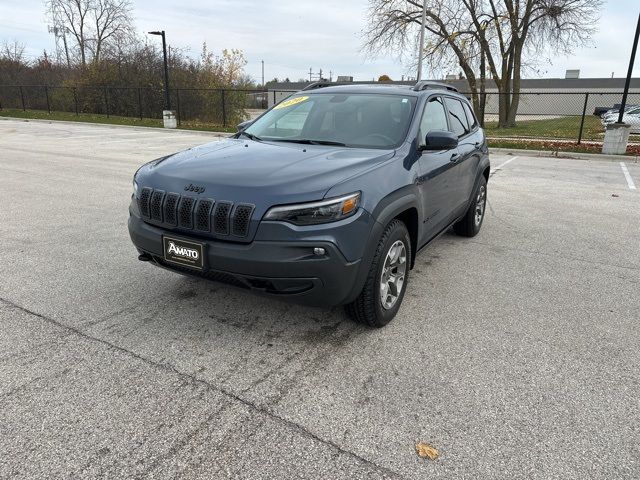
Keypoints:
(627, 175)
(495, 170)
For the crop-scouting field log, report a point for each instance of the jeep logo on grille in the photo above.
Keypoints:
(183, 251)
(194, 188)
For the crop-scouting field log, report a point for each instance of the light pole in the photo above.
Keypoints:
(167, 97)
(630, 71)
(421, 46)
(616, 135)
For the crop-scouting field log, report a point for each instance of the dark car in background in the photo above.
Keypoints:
(325, 199)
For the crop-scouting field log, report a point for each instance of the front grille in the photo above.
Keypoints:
(220, 218)
(241, 219)
(203, 215)
(171, 209)
(156, 205)
(185, 212)
(143, 201)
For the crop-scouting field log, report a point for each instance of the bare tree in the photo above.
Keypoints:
(111, 23)
(480, 34)
(93, 25)
(12, 52)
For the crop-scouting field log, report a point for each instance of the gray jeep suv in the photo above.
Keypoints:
(325, 199)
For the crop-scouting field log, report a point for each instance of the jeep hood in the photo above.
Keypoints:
(261, 173)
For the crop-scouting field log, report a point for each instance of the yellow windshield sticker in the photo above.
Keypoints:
(290, 102)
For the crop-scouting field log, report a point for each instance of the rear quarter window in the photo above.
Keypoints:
(457, 117)
(471, 118)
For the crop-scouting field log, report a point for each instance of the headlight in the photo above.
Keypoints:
(135, 189)
(313, 213)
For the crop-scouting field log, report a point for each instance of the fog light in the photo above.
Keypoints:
(318, 251)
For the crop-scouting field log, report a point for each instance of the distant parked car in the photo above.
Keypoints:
(602, 112)
(630, 117)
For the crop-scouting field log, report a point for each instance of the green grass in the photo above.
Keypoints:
(111, 120)
(562, 127)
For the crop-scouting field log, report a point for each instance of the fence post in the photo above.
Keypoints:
(178, 104)
(106, 101)
(224, 110)
(584, 111)
(75, 99)
(139, 103)
(46, 93)
(22, 98)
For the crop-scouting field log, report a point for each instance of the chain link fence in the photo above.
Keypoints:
(221, 107)
(563, 116)
(542, 115)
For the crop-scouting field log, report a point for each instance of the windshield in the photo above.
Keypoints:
(352, 120)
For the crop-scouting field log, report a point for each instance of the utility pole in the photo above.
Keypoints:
(421, 47)
(330, 75)
(310, 70)
(320, 75)
(66, 49)
(629, 72)
(167, 97)
(262, 73)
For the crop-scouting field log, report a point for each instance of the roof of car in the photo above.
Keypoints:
(377, 88)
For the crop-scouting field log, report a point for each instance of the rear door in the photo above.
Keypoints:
(474, 141)
(437, 172)
(466, 147)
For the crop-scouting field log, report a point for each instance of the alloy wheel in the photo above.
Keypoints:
(393, 274)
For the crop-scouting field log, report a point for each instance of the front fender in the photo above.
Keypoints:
(386, 210)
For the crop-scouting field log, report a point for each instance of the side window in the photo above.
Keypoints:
(471, 118)
(433, 118)
(457, 117)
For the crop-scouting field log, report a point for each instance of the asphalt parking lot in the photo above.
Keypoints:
(515, 354)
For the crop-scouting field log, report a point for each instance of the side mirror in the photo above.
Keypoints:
(243, 125)
(440, 140)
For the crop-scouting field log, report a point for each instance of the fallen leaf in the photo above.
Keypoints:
(424, 450)
(615, 195)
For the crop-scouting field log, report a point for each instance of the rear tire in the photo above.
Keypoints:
(387, 280)
(470, 224)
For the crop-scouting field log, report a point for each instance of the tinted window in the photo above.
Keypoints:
(433, 118)
(471, 118)
(457, 117)
(357, 120)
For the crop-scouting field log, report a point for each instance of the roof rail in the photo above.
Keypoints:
(426, 85)
(314, 85)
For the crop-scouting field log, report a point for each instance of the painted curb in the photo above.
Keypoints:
(567, 155)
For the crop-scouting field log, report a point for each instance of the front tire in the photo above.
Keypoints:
(386, 282)
(470, 224)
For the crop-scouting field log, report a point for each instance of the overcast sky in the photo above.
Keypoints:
(293, 35)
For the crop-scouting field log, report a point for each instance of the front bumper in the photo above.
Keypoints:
(287, 268)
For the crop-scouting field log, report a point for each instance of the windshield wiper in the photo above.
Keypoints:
(310, 142)
(250, 136)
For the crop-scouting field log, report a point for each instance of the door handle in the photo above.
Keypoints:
(455, 157)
